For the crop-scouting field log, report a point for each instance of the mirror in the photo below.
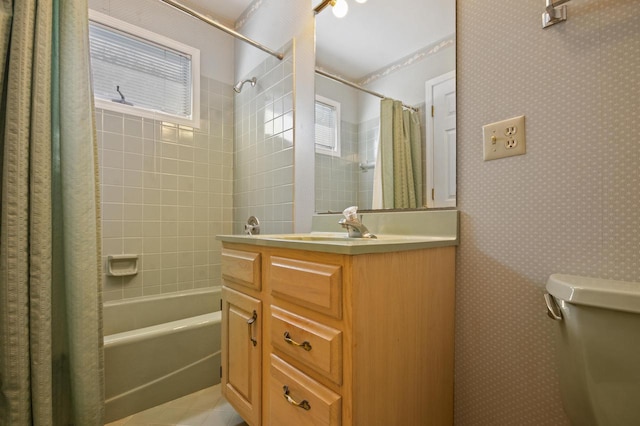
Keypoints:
(400, 49)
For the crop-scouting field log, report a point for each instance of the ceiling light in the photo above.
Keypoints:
(340, 9)
(361, 1)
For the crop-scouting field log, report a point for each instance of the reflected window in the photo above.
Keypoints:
(327, 126)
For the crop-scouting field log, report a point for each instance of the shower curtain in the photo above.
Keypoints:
(398, 174)
(51, 366)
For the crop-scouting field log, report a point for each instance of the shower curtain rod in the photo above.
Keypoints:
(221, 27)
(355, 86)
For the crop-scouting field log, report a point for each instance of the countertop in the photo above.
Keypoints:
(396, 231)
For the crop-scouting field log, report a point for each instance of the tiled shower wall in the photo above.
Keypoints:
(337, 176)
(264, 148)
(367, 152)
(166, 194)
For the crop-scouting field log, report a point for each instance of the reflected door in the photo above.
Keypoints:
(441, 141)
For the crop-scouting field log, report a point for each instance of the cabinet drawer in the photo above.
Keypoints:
(316, 405)
(316, 286)
(241, 267)
(313, 344)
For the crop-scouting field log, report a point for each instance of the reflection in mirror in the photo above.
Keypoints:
(402, 50)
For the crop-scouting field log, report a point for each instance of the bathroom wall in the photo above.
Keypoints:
(278, 23)
(167, 189)
(570, 205)
(216, 47)
(263, 148)
(337, 177)
(166, 194)
(368, 139)
(405, 79)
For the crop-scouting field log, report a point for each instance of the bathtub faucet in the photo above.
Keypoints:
(252, 227)
(354, 226)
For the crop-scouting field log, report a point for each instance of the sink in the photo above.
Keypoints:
(395, 231)
(305, 237)
(338, 237)
(310, 238)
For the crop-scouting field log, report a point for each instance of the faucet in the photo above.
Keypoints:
(252, 227)
(353, 225)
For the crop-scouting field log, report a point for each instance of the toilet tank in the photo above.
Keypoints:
(598, 349)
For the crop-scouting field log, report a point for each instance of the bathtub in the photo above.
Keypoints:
(159, 348)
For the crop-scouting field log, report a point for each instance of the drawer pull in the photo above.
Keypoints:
(304, 345)
(250, 322)
(304, 404)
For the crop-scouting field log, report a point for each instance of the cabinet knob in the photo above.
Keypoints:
(304, 404)
(304, 345)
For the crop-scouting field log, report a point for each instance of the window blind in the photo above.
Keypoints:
(150, 76)
(326, 128)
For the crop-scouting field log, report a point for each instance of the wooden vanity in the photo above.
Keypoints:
(324, 338)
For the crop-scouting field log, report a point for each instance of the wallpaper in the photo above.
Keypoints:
(570, 205)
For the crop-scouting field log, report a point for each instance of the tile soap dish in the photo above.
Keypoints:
(120, 265)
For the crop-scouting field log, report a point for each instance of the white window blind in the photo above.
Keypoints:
(149, 75)
(327, 126)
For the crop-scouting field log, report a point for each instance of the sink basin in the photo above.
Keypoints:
(305, 237)
(310, 238)
(338, 237)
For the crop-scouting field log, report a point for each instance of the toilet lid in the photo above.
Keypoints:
(609, 294)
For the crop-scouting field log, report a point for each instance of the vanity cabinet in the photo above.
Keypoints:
(340, 339)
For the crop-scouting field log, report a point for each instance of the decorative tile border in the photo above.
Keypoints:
(253, 7)
(421, 54)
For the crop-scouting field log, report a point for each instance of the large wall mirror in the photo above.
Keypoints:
(402, 50)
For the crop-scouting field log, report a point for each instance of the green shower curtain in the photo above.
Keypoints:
(51, 366)
(400, 153)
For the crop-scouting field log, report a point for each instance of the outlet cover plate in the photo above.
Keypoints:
(504, 139)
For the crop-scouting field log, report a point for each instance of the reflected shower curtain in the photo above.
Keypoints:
(398, 174)
(51, 366)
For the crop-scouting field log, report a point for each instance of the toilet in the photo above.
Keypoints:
(598, 348)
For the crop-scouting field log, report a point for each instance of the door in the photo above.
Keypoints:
(441, 141)
(241, 353)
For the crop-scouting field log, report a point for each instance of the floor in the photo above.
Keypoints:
(203, 408)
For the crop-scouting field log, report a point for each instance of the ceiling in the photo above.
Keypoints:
(378, 33)
(371, 36)
(227, 11)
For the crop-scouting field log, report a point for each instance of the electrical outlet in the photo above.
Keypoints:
(504, 138)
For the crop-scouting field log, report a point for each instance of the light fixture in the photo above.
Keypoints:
(340, 8)
(319, 8)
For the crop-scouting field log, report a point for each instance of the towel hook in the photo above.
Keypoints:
(554, 12)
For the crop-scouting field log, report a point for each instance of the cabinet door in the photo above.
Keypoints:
(241, 352)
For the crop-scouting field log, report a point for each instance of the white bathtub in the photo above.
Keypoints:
(159, 348)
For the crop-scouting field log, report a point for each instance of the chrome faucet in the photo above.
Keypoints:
(353, 225)
(252, 227)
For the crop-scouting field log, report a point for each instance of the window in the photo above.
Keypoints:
(142, 73)
(327, 126)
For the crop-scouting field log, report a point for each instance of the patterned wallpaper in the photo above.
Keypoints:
(570, 205)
